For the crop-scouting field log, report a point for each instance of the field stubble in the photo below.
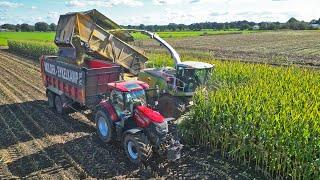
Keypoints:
(276, 47)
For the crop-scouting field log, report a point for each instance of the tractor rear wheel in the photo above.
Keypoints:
(169, 106)
(105, 127)
(137, 148)
(58, 103)
(51, 99)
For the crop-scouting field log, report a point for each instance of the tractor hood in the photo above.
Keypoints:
(151, 115)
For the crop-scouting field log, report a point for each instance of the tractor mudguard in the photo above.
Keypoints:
(131, 131)
(108, 108)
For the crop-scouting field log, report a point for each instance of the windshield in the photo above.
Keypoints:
(202, 75)
(194, 78)
(136, 97)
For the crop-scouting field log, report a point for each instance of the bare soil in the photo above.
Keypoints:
(37, 143)
(274, 47)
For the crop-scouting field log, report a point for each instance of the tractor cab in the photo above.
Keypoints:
(126, 95)
(192, 74)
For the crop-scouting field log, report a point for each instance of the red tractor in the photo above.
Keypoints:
(124, 115)
(120, 108)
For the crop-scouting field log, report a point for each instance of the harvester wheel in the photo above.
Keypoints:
(51, 99)
(169, 106)
(58, 103)
(105, 127)
(137, 148)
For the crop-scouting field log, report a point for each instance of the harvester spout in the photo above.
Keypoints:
(172, 51)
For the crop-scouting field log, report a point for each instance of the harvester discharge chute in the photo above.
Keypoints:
(86, 33)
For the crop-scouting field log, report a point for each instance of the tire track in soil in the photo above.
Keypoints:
(102, 161)
(33, 80)
(44, 162)
(32, 114)
(11, 153)
(31, 64)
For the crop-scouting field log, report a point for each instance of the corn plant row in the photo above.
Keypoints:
(262, 115)
(33, 49)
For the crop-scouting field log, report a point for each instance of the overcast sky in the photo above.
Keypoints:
(135, 12)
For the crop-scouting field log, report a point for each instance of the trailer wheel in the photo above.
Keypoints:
(59, 104)
(137, 148)
(105, 127)
(169, 106)
(51, 99)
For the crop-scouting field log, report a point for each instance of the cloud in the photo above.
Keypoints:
(167, 2)
(219, 14)
(102, 3)
(53, 17)
(75, 3)
(7, 4)
(34, 7)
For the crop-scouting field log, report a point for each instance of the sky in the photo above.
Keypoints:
(161, 12)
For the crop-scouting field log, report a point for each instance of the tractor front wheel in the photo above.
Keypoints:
(137, 148)
(105, 127)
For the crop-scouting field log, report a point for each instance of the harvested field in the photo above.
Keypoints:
(38, 143)
(275, 47)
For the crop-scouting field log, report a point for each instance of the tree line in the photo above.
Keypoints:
(39, 26)
(292, 23)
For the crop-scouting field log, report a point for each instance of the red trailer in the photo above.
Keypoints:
(84, 85)
(120, 108)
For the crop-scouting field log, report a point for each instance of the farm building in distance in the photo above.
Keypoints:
(3, 30)
(256, 27)
(317, 26)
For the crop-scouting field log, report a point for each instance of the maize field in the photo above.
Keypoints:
(262, 115)
(32, 49)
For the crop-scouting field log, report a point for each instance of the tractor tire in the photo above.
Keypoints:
(51, 99)
(169, 106)
(137, 148)
(105, 127)
(58, 103)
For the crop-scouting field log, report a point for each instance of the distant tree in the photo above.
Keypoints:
(18, 28)
(25, 27)
(10, 27)
(32, 28)
(314, 21)
(41, 26)
(172, 27)
(245, 27)
(52, 27)
(292, 20)
(141, 26)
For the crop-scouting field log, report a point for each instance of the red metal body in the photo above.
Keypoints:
(143, 116)
(127, 86)
(80, 84)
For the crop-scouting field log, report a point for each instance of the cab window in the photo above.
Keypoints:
(117, 101)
